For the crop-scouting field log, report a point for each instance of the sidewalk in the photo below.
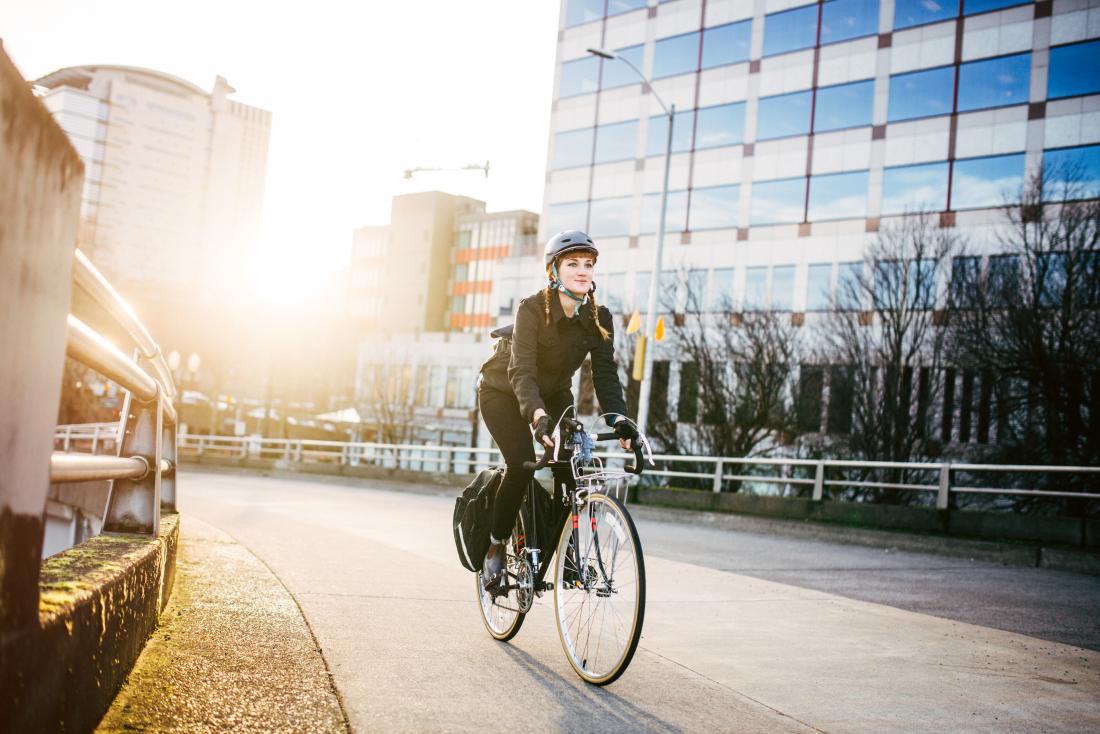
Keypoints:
(232, 652)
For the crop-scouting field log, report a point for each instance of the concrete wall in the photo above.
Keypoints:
(100, 601)
(40, 188)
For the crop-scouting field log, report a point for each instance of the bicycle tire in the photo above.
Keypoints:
(576, 598)
(503, 626)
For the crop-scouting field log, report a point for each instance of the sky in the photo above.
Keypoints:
(359, 92)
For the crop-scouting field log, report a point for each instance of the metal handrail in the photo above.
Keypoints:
(95, 467)
(142, 474)
(301, 450)
(102, 292)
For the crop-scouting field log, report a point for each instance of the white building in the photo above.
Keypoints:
(803, 128)
(174, 178)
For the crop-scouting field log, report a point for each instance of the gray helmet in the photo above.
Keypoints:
(568, 241)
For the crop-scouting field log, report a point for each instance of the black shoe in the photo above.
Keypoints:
(492, 570)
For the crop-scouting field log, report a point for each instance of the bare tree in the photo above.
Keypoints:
(386, 406)
(735, 376)
(887, 344)
(1029, 322)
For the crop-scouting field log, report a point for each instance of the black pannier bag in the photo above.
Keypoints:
(474, 516)
(547, 514)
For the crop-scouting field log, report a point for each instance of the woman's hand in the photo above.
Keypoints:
(544, 428)
(626, 432)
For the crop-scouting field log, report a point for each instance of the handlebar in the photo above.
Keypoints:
(548, 453)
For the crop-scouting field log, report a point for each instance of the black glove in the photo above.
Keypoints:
(625, 430)
(544, 428)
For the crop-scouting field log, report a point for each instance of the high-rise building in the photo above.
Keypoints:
(802, 128)
(442, 264)
(400, 272)
(174, 178)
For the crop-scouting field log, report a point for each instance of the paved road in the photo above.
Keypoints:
(742, 632)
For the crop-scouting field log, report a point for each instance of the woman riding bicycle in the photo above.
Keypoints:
(528, 387)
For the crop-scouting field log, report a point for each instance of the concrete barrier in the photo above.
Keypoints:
(98, 604)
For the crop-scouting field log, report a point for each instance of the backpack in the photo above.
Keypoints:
(473, 518)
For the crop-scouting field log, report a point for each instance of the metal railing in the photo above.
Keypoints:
(141, 472)
(819, 475)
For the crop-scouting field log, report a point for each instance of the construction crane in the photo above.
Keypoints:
(472, 167)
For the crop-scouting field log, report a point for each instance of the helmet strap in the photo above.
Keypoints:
(556, 284)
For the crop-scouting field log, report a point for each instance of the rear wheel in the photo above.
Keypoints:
(599, 589)
(503, 611)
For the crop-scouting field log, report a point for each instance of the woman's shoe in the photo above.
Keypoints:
(492, 570)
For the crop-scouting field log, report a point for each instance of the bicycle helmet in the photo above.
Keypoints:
(571, 240)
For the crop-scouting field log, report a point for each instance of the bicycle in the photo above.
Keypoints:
(599, 572)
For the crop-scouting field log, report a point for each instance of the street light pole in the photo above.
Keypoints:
(649, 335)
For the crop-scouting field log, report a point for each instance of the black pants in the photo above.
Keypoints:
(500, 411)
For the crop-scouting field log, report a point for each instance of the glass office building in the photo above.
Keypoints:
(802, 129)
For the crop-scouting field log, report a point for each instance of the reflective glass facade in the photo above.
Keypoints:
(784, 116)
(994, 82)
(789, 153)
(1073, 70)
(921, 94)
(844, 106)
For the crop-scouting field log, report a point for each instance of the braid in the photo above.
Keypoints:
(604, 334)
(546, 302)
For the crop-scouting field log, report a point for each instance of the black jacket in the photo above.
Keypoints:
(538, 362)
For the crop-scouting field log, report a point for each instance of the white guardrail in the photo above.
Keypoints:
(818, 474)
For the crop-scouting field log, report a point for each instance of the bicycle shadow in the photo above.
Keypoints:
(601, 707)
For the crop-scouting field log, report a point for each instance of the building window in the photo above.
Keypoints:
(641, 290)
(782, 288)
(572, 148)
(720, 297)
(973, 7)
(908, 13)
(687, 404)
(675, 55)
(571, 215)
(994, 82)
(1071, 174)
(819, 284)
(844, 106)
(675, 216)
(987, 182)
(610, 217)
(842, 20)
(838, 196)
(914, 188)
(790, 30)
(579, 76)
(611, 287)
(694, 296)
(921, 94)
(726, 44)
(617, 7)
(778, 202)
(720, 126)
(1073, 70)
(784, 116)
(849, 286)
(756, 289)
(616, 142)
(657, 142)
(582, 11)
(715, 207)
(616, 73)
(965, 280)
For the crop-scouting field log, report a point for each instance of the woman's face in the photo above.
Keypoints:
(577, 272)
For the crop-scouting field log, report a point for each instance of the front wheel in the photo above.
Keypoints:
(599, 589)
